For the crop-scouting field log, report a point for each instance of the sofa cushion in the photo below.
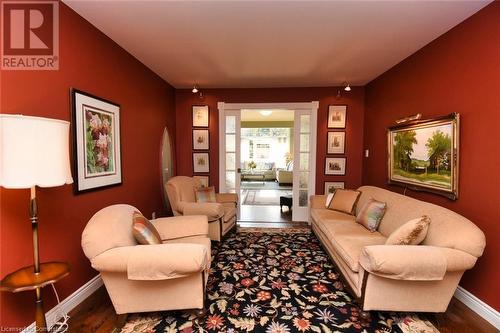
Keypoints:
(371, 214)
(412, 232)
(321, 215)
(344, 201)
(205, 194)
(144, 231)
(346, 237)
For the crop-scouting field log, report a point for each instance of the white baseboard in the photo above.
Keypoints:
(69, 303)
(475, 304)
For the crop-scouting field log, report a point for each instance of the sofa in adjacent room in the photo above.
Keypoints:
(420, 278)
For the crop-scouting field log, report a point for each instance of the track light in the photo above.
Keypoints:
(195, 89)
(347, 87)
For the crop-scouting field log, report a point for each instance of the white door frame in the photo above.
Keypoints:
(311, 107)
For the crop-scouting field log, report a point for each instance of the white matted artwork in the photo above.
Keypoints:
(336, 143)
(337, 116)
(335, 166)
(330, 187)
(200, 139)
(96, 128)
(201, 163)
(200, 115)
(204, 180)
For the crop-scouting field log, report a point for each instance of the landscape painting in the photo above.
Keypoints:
(424, 155)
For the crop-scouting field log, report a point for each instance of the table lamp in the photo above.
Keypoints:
(34, 152)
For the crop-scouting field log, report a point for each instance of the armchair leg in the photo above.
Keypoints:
(120, 321)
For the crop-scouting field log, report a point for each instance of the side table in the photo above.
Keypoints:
(26, 279)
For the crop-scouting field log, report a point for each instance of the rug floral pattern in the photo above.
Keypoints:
(272, 283)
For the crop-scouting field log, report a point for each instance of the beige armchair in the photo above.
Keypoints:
(144, 278)
(221, 214)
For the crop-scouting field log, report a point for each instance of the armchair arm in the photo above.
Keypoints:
(154, 262)
(404, 262)
(212, 210)
(181, 226)
(227, 198)
(318, 201)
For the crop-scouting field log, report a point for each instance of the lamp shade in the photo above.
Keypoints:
(34, 151)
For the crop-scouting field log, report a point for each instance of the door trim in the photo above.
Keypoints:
(312, 107)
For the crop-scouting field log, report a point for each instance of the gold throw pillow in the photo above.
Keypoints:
(344, 201)
(412, 232)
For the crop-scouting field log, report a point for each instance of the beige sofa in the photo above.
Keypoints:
(144, 278)
(399, 277)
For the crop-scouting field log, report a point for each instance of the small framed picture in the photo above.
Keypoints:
(200, 115)
(330, 187)
(336, 143)
(337, 116)
(201, 163)
(335, 166)
(200, 139)
(204, 180)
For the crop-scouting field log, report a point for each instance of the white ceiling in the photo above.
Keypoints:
(276, 115)
(244, 44)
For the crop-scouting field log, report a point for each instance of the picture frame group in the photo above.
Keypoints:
(336, 141)
(201, 141)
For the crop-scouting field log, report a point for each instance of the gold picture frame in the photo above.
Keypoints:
(424, 155)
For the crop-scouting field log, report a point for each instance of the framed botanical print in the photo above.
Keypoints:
(200, 115)
(336, 143)
(330, 187)
(201, 163)
(337, 116)
(204, 180)
(96, 128)
(335, 166)
(200, 139)
(424, 155)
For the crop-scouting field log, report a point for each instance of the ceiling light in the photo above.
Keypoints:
(265, 113)
(195, 89)
(347, 87)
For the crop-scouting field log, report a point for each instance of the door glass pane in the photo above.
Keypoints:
(305, 123)
(230, 124)
(230, 142)
(230, 161)
(304, 143)
(303, 198)
(230, 180)
(304, 161)
(304, 179)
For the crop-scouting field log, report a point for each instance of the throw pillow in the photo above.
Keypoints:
(205, 194)
(329, 198)
(371, 214)
(144, 231)
(412, 232)
(344, 201)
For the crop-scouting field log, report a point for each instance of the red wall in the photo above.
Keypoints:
(458, 72)
(93, 63)
(354, 100)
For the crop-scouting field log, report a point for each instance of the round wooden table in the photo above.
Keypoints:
(26, 279)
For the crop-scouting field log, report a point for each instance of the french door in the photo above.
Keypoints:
(304, 152)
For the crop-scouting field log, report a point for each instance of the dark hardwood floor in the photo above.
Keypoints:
(96, 315)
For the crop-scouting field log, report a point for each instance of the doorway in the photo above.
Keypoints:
(267, 153)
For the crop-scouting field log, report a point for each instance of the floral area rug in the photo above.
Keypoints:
(272, 283)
